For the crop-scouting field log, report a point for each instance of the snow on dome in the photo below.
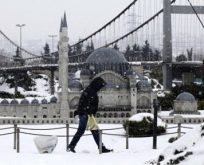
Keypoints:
(77, 74)
(185, 96)
(106, 55)
(139, 117)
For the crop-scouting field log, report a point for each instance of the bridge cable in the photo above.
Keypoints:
(107, 24)
(137, 28)
(17, 45)
(196, 14)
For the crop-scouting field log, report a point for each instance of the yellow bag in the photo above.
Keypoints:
(91, 123)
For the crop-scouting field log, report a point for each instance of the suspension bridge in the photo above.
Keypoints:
(170, 28)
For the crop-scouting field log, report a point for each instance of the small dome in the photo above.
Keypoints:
(14, 101)
(143, 85)
(4, 101)
(130, 72)
(75, 84)
(185, 96)
(24, 101)
(53, 99)
(85, 72)
(44, 101)
(106, 55)
(34, 101)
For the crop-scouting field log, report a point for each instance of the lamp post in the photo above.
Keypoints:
(20, 26)
(16, 75)
(52, 36)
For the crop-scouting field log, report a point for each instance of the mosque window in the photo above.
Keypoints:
(105, 115)
(115, 115)
(122, 115)
(44, 116)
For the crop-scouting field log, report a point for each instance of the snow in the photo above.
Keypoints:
(139, 117)
(77, 74)
(167, 114)
(40, 91)
(45, 144)
(87, 151)
(140, 150)
(190, 142)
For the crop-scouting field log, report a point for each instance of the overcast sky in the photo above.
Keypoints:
(42, 17)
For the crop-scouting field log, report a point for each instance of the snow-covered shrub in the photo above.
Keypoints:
(142, 125)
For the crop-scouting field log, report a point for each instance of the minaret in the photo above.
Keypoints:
(63, 68)
(133, 91)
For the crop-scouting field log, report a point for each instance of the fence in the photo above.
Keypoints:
(21, 130)
(178, 132)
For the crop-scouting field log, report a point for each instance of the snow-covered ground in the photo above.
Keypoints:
(140, 150)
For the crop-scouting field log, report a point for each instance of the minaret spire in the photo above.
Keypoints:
(63, 69)
(65, 20)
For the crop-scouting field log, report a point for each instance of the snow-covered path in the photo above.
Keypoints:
(140, 149)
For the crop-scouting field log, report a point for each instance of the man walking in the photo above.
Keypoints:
(87, 108)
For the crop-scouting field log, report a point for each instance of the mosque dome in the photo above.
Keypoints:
(185, 96)
(14, 101)
(130, 72)
(105, 56)
(24, 101)
(85, 72)
(4, 101)
(53, 99)
(34, 101)
(44, 101)
(75, 84)
(143, 85)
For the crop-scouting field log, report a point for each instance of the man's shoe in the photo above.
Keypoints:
(71, 148)
(105, 150)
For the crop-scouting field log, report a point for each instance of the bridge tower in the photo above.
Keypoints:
(167, 36)
(167, 46)
(63, 68)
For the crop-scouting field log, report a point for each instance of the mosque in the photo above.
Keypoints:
(127, 92)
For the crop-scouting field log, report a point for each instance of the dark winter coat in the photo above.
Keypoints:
(88, 102)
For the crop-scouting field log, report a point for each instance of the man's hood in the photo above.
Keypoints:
(97, 84)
